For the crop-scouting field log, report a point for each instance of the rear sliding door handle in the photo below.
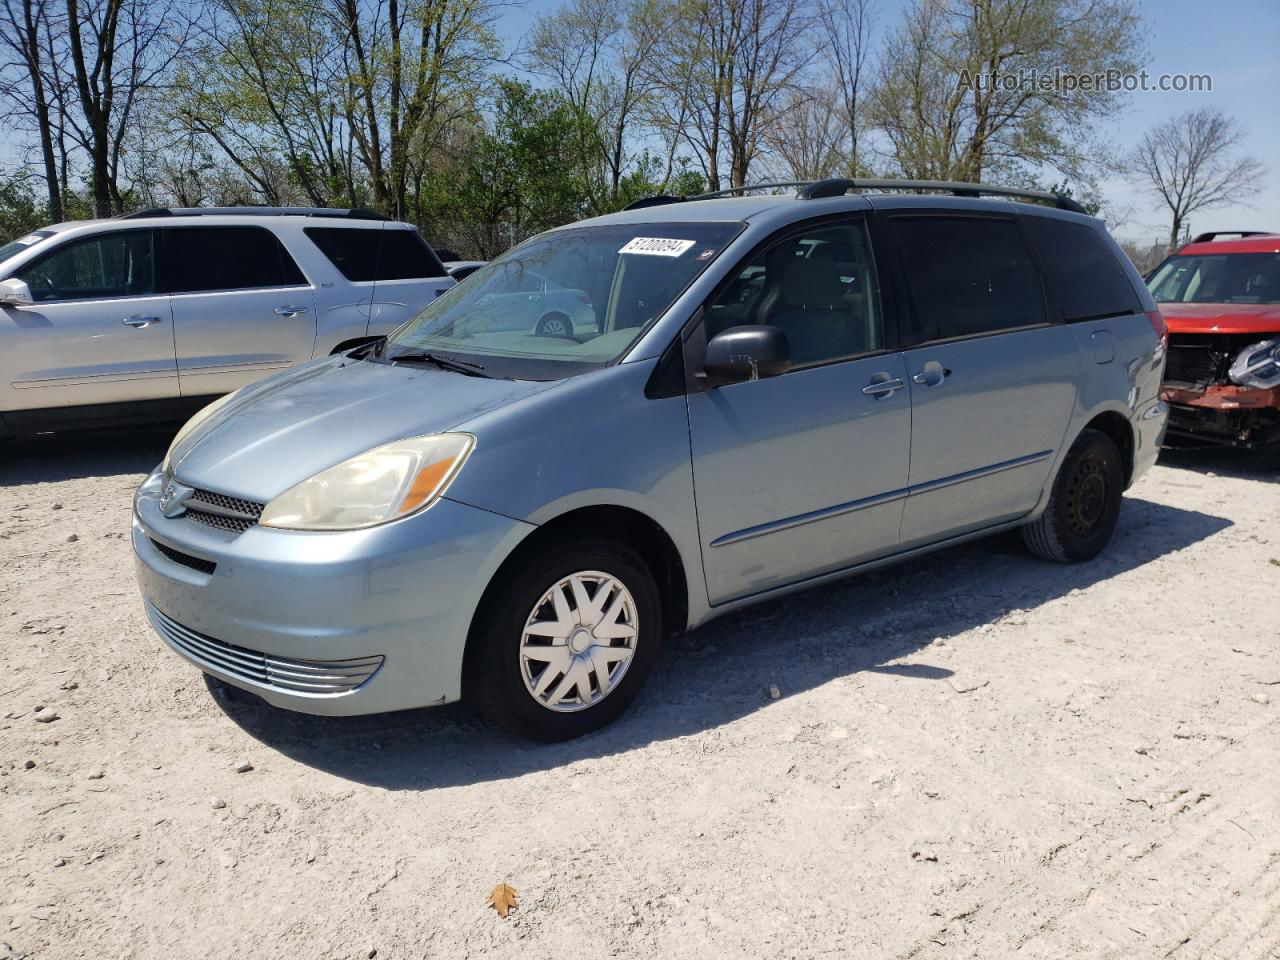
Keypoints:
(883, 388)
(139, 321)
(932, 375)
(290, 311)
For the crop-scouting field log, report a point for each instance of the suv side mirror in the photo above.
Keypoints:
(747, 353)
(15, 293)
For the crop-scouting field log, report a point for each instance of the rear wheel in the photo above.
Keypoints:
(564, 647)
(1084, 504)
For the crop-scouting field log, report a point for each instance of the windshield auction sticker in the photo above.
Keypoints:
(657, 246)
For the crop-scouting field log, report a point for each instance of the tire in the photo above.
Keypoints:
(554, 325)
(1084, 504)
(508, 686)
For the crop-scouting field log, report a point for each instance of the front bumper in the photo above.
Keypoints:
(1224, 414)
(363, 621)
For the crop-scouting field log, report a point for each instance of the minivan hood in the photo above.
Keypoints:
(1260, 318)
(287, 428)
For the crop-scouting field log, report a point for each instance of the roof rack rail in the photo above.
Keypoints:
(659, 200)
(249, 211)
(662, 198)
(1214, 234)
(839, 186)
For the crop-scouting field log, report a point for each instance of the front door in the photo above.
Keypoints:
(242, 308)
(98, 333)
(993, 382)
(804, 473)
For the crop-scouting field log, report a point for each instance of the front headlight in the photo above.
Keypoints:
(199, 417)
(1258, 365)
(386, 483)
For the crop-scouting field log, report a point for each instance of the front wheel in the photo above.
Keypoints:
(1084, 504)
(564, 646)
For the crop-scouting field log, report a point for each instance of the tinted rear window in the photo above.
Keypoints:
(1083, 271)
(406, 256)
(199, 259)
(968, 275)
(353, 251)
(364, 255)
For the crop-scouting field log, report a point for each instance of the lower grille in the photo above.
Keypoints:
(221, 511)
(315, 677)
(177, 556)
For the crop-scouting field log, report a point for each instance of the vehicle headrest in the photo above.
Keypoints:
(810, 283)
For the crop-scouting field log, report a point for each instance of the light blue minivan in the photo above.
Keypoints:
(766, 392)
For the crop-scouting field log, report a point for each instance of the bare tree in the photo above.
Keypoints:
(845, 43)
(1191, 163)
(120, 52)
(809, 134)
(724, 72)
(25, 29)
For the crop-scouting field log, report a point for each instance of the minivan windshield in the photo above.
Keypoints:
(565, 302)
(1218, 278)
(15, 247)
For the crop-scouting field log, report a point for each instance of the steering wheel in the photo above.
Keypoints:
(42, 282)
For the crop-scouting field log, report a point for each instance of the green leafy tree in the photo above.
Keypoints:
(946, 118)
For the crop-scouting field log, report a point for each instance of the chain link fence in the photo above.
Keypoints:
(474, 241)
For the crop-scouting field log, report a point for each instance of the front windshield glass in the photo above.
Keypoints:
(15, 247)
(565, 302)
(1218, 278)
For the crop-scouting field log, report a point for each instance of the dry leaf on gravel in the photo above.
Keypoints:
(504, 899)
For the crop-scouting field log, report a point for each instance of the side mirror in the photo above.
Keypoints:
(15, 293)
(747, 353)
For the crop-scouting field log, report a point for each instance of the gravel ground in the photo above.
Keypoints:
(972, 755)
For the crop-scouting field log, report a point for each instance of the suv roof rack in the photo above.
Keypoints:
(350, 214)
(1215, 234)
(838, 186)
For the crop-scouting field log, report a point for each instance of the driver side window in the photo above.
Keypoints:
(818, 285)
(95, 268)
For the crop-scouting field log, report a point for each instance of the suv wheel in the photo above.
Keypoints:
(1084, 504)
(565, 646)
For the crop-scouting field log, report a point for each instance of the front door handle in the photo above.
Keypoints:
(290, 311)
(932, 375)
(140, 321)
(883, 388)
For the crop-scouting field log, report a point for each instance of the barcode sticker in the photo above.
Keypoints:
(657, 246)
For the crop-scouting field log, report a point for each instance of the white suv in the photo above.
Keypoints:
(151, 315)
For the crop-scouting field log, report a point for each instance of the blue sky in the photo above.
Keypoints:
(1235, 41)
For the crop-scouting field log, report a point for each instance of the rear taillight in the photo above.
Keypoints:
(1159, 326)
(585, 298)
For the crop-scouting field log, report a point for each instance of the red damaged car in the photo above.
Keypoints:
(1221, 300)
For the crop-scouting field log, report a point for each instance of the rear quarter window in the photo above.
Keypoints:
(363, 255)
(1083, 271)
(405, 256)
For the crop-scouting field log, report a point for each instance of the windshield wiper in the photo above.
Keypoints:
(440, 360)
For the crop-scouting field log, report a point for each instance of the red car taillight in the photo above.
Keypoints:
(1161, 328)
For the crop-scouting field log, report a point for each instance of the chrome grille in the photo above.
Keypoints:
(221, 511)
(315, 677)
